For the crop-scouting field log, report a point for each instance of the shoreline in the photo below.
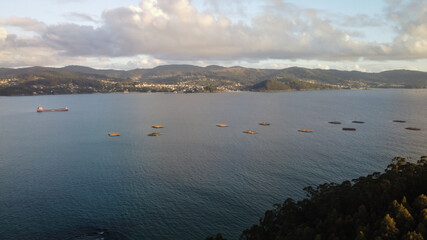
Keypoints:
(238, 91)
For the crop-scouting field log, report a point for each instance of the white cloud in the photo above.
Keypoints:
(27, 24)
(410, 19)
(321, 66)
(175, 30)
(3, 34)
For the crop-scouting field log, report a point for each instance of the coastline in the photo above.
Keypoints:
(236, 91)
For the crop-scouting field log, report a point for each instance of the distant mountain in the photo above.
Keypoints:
(17, 81)
(87, 70)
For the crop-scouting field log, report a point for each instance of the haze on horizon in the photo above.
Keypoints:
(347, 35)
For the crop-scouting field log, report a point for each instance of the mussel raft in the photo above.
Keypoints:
(250, 132)
(305, 130)
(413, 129)
(154, 134)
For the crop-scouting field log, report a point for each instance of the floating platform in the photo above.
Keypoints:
(413, 129)
(222, 125)
(157, 126)
(154, 134)
(264, 124)
(349, 129)
(334, 122)
(305, 130)
(250, 132)
(361, 122)
(115, 134)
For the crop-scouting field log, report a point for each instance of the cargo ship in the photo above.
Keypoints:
(40, 109)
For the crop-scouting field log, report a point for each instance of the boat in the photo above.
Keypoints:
(349, 129)
(305, 130)
(157, 126)
(264, 124)
(399, 121)
(222, 125)
(40, 109)
(114, 134)
(334, 122)
(250, 132)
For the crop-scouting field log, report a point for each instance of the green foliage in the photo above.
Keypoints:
(360, 236)
(413, 236)
(420, 202)
(364, 208)
(287, 84)
(388, 228)
(210, 88)
(271, 85)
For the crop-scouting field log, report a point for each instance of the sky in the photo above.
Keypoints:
(362, 35)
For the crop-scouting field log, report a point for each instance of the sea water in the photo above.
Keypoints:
(63, 177)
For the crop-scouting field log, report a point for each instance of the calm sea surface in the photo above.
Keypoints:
(62, 177)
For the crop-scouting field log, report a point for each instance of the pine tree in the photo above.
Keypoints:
(413, 236)
(388, 228)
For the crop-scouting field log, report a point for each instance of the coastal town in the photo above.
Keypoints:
(107, 86)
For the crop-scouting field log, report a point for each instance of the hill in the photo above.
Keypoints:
(28, 81)
(289, 85)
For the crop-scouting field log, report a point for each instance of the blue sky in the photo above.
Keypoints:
(362, 35)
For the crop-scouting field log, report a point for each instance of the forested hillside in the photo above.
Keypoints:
(380, 206)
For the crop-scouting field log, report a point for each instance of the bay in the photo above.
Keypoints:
(63, 177)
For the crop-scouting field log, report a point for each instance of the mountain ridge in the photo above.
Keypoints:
(213, 77)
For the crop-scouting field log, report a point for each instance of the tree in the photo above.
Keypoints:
(388, 228)
(413, 236)
(360, 236)
(420, 202)
(365, 208)
(404, 219)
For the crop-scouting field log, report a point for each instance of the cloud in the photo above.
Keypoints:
(360, 20)
(81, 17)
(410, 18)
(3, 34)
(325, 67)
(175, 30)
(76, 40)
(28, 24)
(144, 63)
